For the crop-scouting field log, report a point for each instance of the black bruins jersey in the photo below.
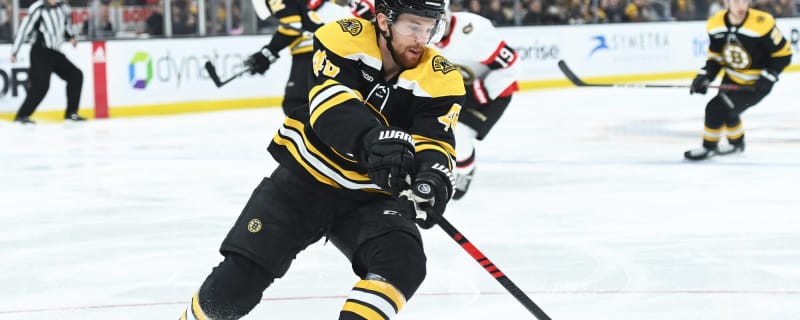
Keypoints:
(296, 22)
(349, 96)
(744, 51)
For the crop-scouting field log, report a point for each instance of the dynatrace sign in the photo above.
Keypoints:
(176, 68)
(168, 71)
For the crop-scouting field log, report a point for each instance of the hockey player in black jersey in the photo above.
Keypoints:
(370, 161)
(747, 45)
(297, 20)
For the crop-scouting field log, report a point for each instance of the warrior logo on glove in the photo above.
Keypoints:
(449, 174)
(395, 134)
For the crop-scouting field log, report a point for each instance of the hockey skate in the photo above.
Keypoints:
(74, 117)
(463, 179)
(704, 153)
(24, 120)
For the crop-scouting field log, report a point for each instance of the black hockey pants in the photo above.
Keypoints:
(44, 62)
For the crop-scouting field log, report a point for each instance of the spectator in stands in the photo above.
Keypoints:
(683, 10)
(787, 8)
(5, 23)
(216, 19)
(716, 6)
(183, 22)
(557, 10)
(154, 25)
(765, 5)
(457, 5)
(236, 19)
(642, 11)
(103, 27)
(597, 14)
(614, 10)
(577, 12)
(533, 16)
(777, 8)
(516, 11)
(475, 7)
(582, 11)
(497, 15)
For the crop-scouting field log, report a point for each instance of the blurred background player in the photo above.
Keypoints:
(745, 43)
(487, 64)
(297, 20)
(49, 23)
(372, 160)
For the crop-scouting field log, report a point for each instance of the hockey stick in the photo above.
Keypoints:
(493, 270)
(212, 73)
(580, 83)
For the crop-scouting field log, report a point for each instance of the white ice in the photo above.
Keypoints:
(581, 197)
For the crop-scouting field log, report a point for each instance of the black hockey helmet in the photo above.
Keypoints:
(424, 8)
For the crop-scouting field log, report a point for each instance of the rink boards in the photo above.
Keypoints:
(166, 76)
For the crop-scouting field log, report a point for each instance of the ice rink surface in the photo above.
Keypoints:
(581, 197)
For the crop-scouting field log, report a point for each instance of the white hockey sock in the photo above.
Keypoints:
(465, 142)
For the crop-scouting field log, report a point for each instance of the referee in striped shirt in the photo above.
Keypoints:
(49, 23)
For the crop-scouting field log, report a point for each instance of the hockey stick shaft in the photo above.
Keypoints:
(212, 73)
(493, 270)
(580, 83)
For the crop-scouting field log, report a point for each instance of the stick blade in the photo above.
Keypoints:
(212, 73)
(570, 75)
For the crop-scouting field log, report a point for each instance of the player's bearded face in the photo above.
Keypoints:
(739, 8)
(411, 36)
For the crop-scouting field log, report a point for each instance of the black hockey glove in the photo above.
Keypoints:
(260, 61)
(700, 84)
(388, 156)
(766, 80)
(427, 199)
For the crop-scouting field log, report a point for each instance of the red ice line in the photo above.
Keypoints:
(540, 292)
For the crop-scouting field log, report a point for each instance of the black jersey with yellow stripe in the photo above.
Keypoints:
(744, 50)
(349, 96)
(296, 23)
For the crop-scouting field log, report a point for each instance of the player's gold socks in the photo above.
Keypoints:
(193, 311)
(372, 300)
(711, 135)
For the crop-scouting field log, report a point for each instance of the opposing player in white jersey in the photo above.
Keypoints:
(488, 65)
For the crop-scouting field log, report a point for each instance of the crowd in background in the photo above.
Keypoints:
(5, 20)
(135, 18)
(550, 12)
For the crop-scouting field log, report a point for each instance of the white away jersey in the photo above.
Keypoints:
(475, 46)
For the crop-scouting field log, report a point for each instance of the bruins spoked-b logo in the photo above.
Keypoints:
(736, 56)
(351, 26)
(441, 64)
(254, 225)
